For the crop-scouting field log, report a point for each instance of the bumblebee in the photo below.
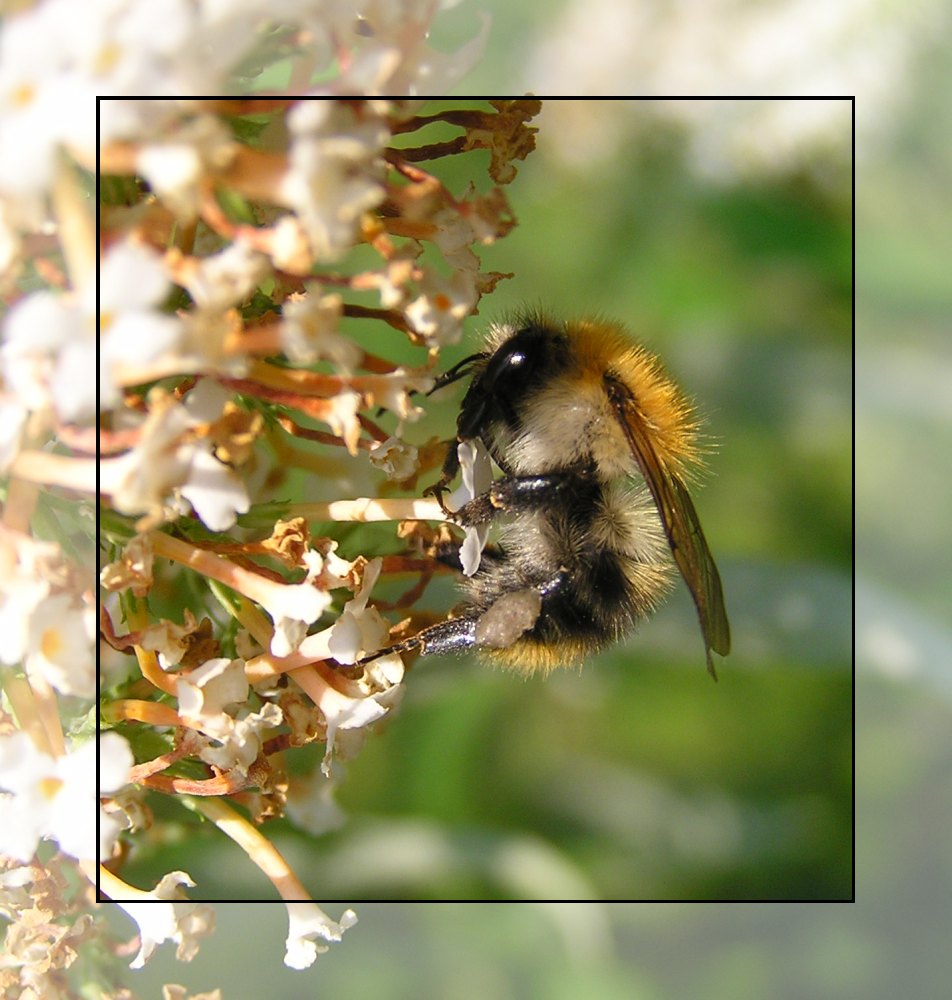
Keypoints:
(594, 443)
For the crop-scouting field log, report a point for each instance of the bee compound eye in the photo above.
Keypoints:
(504, 368)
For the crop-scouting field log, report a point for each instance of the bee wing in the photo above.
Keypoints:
(687, 541)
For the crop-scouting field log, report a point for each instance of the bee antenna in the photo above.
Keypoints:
(458, 371)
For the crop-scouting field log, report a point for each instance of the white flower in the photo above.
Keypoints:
(59, 646)
(393, 392)
(167, 459)
(225, 278)
(392, 280)
(205, 692)
(43, 103)
(48, 358)
(335, 173)
(180, 156)
(340, 414)
(134, 335)
(205, 695)
(147, 48)
(437, 313)
(48, 798)
(142, 480)
(309, 330)
(182, 922)
(347, 718)
(292, 607)
(328, 567)
(344, 712)
(397, 459)
(359, 629)
(21, 591)
(240, 747)
(476, 472)
(115, 762)
(307, 922)
(133, 569)
(454, 235)
(216, 492)
(169, 640)
(289, 246)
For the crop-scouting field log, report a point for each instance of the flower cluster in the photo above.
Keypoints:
(276, 278)
(230, 297)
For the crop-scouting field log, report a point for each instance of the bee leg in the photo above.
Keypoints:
(515, 493)
(438, 490)
(453, 636)
(494, 627)
(450, 468)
